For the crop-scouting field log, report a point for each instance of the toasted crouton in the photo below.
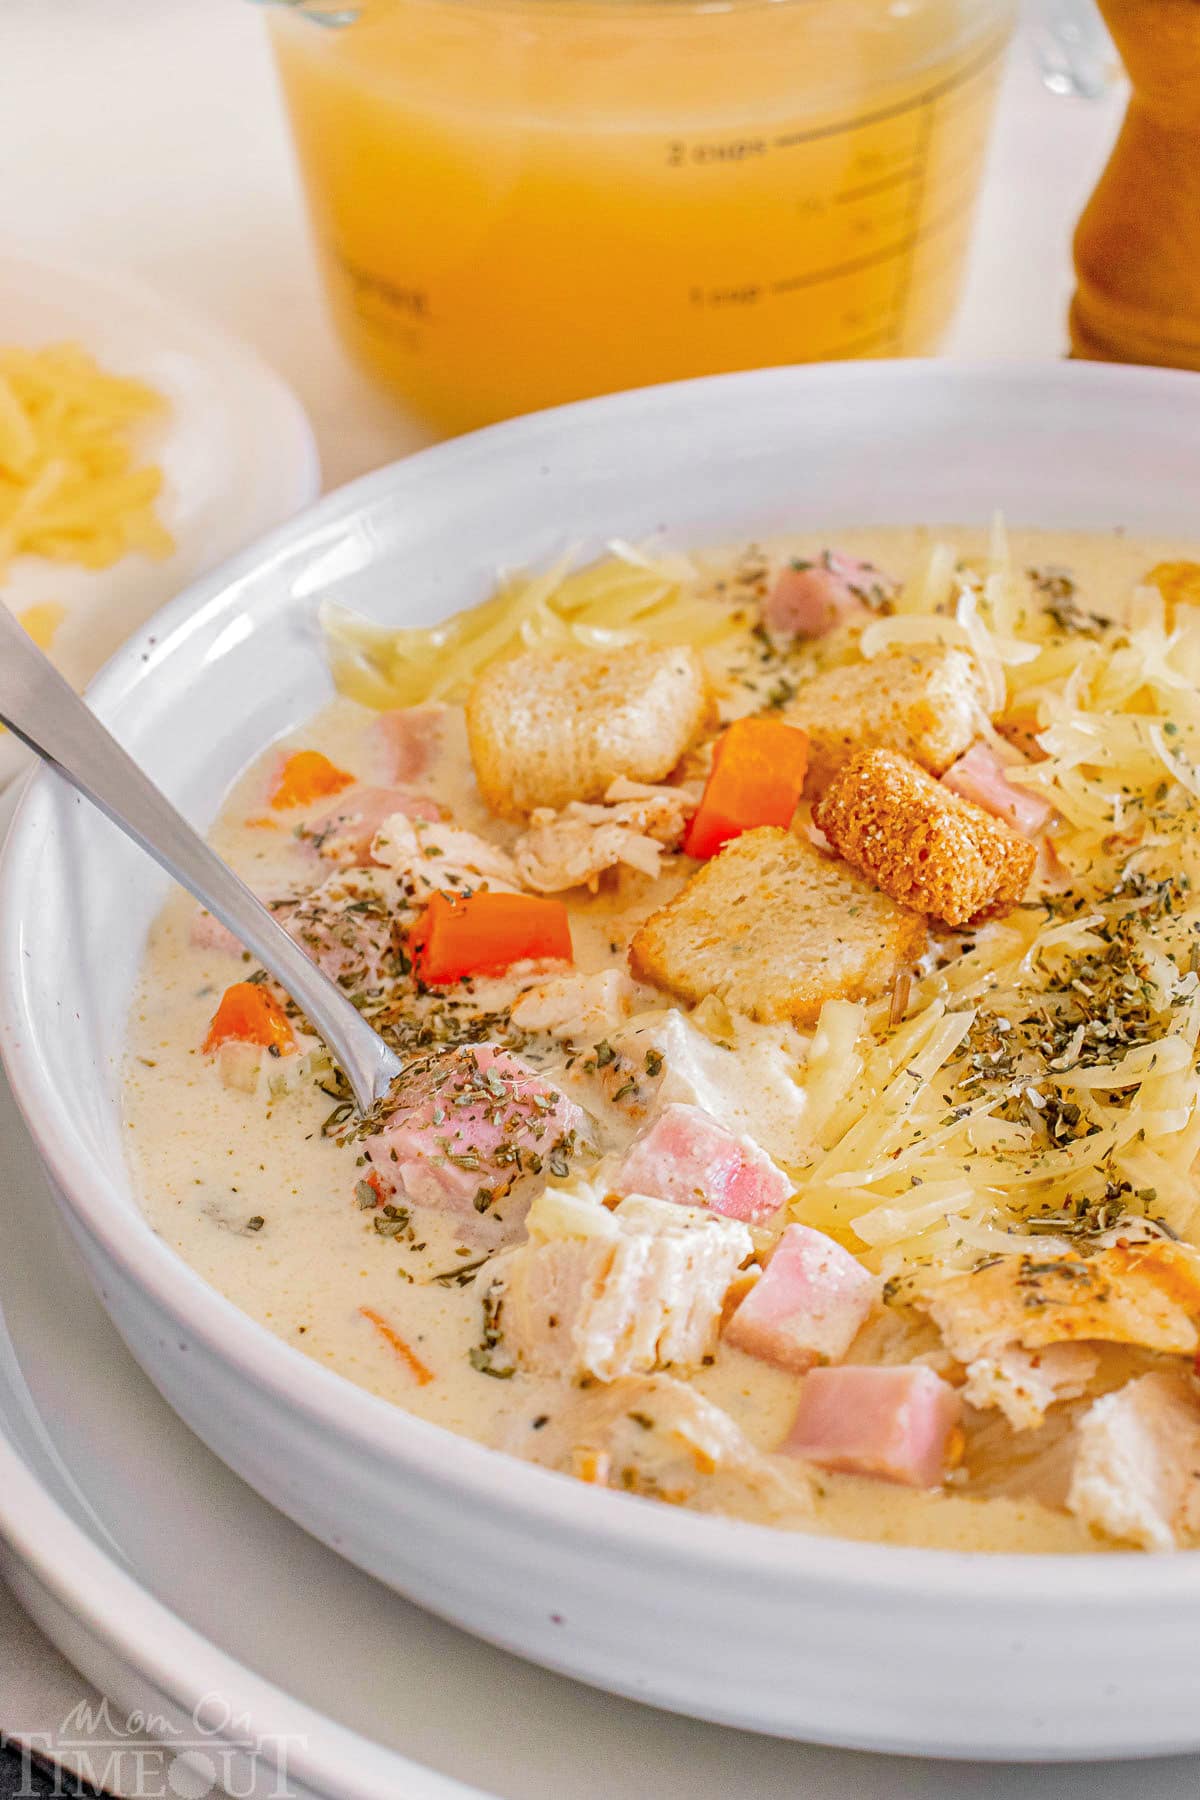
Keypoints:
(926, 847)
(549, 727)
(924, 702)
(775, 929)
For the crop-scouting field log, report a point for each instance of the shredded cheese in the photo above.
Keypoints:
(629, 596)
(71, 488)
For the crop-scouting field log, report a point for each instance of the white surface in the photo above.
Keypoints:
(236, 451)
(849, 1643)
(166, 1579)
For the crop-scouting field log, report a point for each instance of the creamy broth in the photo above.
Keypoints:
(248, 1191)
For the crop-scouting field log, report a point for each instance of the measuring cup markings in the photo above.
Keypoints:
(564, 253)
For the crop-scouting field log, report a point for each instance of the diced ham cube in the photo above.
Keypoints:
(208, 933)
(980, 776)
(468, 1127)
(807, 1306)
(642, 1292)
(686, 1156)
(403, 745)
(345, 835)
(891, 1422)
(808, 599)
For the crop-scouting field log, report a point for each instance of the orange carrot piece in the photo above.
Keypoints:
(485, 933)
(263, 824)
(417, 1368)
(307, 775)
(253, 1016)
(590, 1465)
(757, 778)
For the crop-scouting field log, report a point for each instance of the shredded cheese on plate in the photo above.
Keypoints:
(71, 486)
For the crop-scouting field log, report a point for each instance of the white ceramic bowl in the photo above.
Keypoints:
(1000, 1656)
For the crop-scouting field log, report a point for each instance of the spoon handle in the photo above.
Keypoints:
(45, 712)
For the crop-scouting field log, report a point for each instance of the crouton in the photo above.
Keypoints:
(926, 847)
(549, 727)
(924, 702)
(776, 928)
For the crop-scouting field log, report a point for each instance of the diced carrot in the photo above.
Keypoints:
(263, 824)
(251, 1015)
(391, 1336)
(483, 934)
(307, 775)
(757, 778)
(590, 1465)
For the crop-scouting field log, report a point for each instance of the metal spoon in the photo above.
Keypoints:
(46, 713)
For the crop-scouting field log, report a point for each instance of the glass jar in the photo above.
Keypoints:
(522, 202)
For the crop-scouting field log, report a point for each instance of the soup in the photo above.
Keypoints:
(795, 960)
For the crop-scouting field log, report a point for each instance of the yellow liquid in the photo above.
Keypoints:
(522, 205)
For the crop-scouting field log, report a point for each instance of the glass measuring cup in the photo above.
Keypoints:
(522, 202)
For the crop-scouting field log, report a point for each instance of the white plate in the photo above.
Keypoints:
(236, 450)
(165, 1579)
(840, 1642)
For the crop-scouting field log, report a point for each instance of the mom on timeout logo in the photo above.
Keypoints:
(144, 1756)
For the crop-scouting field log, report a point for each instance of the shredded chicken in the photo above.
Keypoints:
(1132, 1293)
(575, 846)
(1137, 1463)
(1024, 1383)
(1027, 1331)
(654, 1436)
(427, 856)
(576, 1006)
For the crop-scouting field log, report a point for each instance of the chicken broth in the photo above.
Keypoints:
(665, 1216)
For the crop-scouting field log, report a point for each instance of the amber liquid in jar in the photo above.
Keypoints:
(522, 204)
